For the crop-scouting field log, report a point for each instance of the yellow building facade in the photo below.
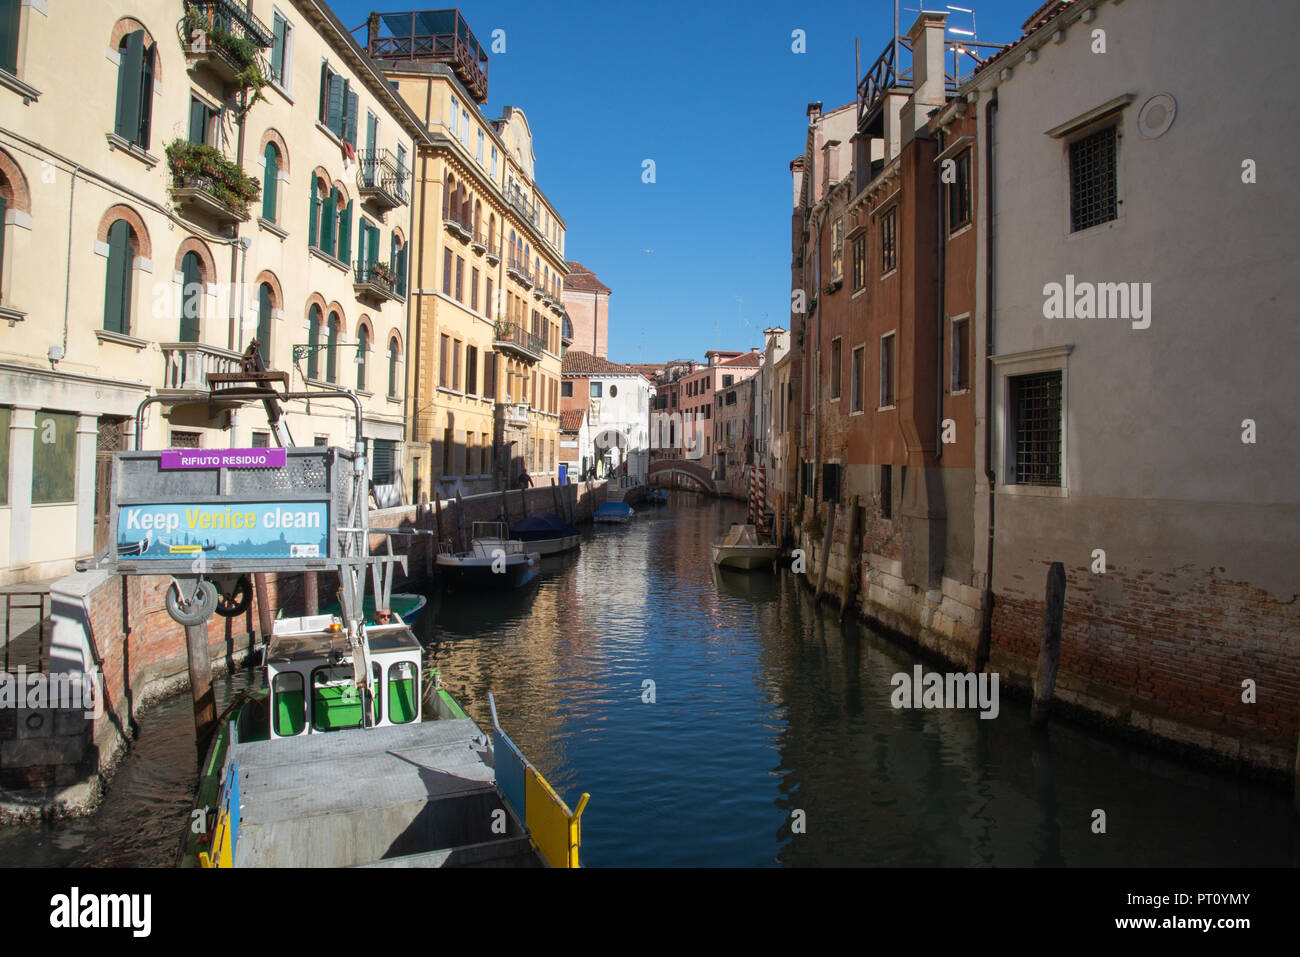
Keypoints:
(487, 317)
(138, 259)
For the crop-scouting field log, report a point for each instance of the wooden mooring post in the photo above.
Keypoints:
(852, 553)
(462, 540)
(205, 702)
(1049, 650)
(265, 620)
(310, 596)
(826, 552)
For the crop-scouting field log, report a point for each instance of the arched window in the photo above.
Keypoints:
(122, 246)
(313, 340)
(270, 179)
(135, 69)
(191, 296)
(466, 215)
(514, 256)
(394, 351)
(264, 303)
(492, 233)
(344, 226)
(449, 198)
(399, 264)
(331, 348)
(478, 215)
(316, 226)
(363, 344)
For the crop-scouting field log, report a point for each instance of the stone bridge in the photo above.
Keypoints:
(692, 470)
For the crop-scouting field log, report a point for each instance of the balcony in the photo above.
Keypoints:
(451, 219)
(375, 282)
(514, 338)
(187, 365)
(440, 36)
(493, 251)
(518, 271)
(209, 187)
(514, 413)
(479, 242)
(223, 38)
(380, 180)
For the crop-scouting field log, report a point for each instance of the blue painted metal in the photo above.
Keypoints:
(511, 773)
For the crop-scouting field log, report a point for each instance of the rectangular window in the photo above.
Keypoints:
(448, 451)
(487, 301)
(857, 377)
(478, 153)
(859, 261)
(494, 162)
(281, 49)
(837, 363)
(446, 272)
(464, 127)
(596, 390)
(959, 194)
(460, 279)
(320, 441)
(830, 482)
(837, 250)
(888, 241)
(471, 370)
(566, 390)
(728, 381)
(490, 375)
(455, 365)
(261, 440)
(455, 117)
(384, 469)
(9, 19)
(473, 289)
(5, 413)
(1036, 428)
(444, 356)
(1093, 188)
(886, 370)
(887, 491)
(960, 361)
(200, 122)
(54, 463)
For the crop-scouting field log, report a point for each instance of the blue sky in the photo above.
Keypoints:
(713, 94)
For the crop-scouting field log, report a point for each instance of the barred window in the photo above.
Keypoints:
(1093, 189)
(1036, 427)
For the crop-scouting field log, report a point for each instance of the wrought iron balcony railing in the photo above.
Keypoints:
(439, 35)
(510, 334)
(380, 178)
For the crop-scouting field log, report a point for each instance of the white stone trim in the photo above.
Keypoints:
(113, 56)
(142, 264)
(20, 218)
(101, 249)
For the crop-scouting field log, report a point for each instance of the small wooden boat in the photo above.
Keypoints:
(404, 605)
(742, 549)
(546, 534)
(616, 513)
(494, 560)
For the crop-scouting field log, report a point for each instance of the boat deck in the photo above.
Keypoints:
(423, 792)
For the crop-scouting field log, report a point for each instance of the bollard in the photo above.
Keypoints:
(1049, 651)
(265, 620)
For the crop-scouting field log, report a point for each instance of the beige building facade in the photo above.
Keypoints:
(160, 213)
(488, 283)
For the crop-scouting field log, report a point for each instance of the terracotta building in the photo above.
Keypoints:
(586, 300)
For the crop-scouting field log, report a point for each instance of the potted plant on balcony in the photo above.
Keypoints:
(199, 32)
(382, 273)
(204, 167)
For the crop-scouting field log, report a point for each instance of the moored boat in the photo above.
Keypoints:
(743, 549)
(617, 513)
(546, 534)
(494, 560)
(405, 605)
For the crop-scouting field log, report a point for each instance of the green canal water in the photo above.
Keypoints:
(763, 707)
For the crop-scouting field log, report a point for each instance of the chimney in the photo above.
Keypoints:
(832, 167)
(796, 171)
(926, 39)
(814, 112)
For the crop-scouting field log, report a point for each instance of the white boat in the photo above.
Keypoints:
(494, 560)
(742, 549)
(547, 534)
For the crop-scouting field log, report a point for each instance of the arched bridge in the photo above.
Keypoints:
(692, 470)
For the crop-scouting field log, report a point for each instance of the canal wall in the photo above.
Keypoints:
(1179, 657)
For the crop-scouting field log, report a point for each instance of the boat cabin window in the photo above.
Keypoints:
(335, 699)
(403, 688)
(288, 704)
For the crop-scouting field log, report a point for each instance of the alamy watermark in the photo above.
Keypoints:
(66, 691)
(951, 690)
(1098, 300)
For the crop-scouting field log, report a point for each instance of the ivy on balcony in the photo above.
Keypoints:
(194, 164)
(206, 25)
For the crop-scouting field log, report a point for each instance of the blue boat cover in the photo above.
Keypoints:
(614, 508)
(546, 525)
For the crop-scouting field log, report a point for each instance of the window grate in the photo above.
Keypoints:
(1093, 189)
(1036, 405)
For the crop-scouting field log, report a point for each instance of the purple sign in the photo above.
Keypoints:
(223, 459)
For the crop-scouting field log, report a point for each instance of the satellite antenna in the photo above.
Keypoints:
(957, 48)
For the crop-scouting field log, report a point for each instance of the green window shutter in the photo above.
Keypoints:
(4, 211)
(321, 113)
(400, 266)
(351, 105)
(315, 213)
(130, 74)
(372, 131)
(335, 121)
(277, 50)
(117, 292)
(146, 96)
(264, 324)
(327, 216)
(374, 243)
(345, 233)
(392, 367)
(191, 297)
(9, 11)
(313, 339)
(198, 122)
(331, 349)
(271, 176)
(363, 340)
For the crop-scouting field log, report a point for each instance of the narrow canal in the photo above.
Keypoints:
(762, 707)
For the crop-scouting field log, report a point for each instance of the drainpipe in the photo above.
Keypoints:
(990, 473)
(67, 282)
(942, 240)
(235, 245)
